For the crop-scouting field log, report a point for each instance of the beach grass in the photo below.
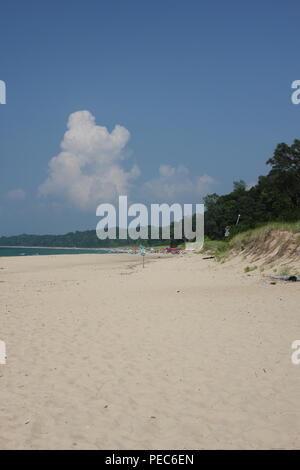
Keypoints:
(221, 249)
(217, 248)
(248, 269)
(259, 234)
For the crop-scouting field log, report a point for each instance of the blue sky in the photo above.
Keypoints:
(203, 88)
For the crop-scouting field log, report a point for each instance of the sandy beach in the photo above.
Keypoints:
(185, 353)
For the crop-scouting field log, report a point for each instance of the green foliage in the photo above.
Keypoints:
(85, 239)
(248, 269)
(275, 197)
(215, 245)
(218, 248)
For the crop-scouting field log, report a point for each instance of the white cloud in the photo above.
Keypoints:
(174, 184)
(88, 171)
(17, 194)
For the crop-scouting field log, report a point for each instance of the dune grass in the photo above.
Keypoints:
(248, 269)
(217, 248)
(221, 249)
(259, 234)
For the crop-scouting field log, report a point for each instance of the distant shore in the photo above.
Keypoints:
(29, 251)
(62, 247)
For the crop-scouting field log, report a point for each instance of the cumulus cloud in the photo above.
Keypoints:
(174, 184)
(17, 194)
(88, 170)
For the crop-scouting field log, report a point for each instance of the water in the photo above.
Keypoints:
(21, 251)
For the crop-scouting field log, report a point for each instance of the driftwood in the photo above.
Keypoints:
(287, 278)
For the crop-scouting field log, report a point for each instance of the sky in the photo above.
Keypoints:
(164, 101)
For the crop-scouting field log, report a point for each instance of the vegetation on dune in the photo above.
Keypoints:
(221, 249)
(217, 248)
(275, 197)
(261, 233)
(248, 269)
(272, 204)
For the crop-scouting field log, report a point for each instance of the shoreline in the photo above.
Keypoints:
(58, 247)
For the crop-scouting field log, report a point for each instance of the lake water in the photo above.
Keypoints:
(21, 251)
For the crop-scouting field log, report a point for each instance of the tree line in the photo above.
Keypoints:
(275, 198)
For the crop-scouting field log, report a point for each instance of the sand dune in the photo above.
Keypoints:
(186, 353)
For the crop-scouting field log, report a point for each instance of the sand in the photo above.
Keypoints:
(186, 353)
